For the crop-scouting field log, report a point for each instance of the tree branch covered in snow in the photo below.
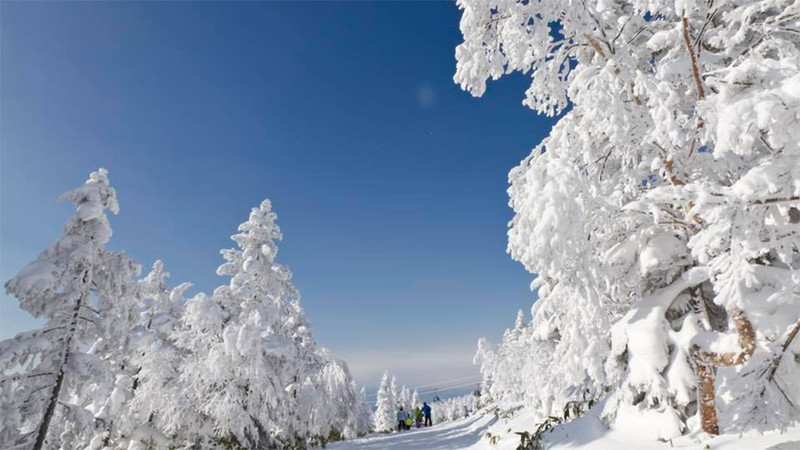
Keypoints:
(661, 213)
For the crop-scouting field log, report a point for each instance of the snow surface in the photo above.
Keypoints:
(451, 435)
(587, 432)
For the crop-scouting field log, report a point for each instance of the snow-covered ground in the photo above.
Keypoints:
(458, 434)
(584, 433)
(589, 432)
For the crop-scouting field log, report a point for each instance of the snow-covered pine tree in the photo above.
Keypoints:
(519, 323)
(256, 376)
(384, 417)
(155, 388)
(415, 399)
(330, 403)
(115, 346)
(363, 414)
(405, 398)
(239, 361)
(359, 414)
(56, 377)
(486, 359)
(394, 392)
(509, 371)
(455, 408)
(196, 338)
(145, 379)
(661, 213)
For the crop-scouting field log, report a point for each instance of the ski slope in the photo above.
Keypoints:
(585, 433)
(458, 434)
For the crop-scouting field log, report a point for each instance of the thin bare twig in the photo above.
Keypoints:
(774, 200)
(595, 45)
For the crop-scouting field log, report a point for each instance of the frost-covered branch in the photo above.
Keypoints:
(640, 187)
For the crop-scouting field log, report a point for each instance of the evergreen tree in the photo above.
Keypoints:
(56, 376)
(661, 213)
(239, 361)
(519, 324)
(384, 418)
(362, 417)
(395, 395)
(405, 399)
(256, 377)
(155, 388)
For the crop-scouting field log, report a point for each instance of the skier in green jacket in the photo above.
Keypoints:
(418, 416)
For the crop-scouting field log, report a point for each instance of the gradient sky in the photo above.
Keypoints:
(388, 180)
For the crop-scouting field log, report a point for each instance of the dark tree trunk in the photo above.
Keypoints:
(41, 435)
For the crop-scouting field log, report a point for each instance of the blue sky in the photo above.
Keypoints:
(388, 180)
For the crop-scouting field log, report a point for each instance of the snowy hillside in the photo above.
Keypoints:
(590, 432)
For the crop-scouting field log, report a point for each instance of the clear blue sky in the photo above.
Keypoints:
(388, 180)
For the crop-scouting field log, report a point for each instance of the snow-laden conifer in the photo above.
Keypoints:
(254, 374)
(455, 408)
(405, 399)
(155, 389)
(58, 383)
(363, 414)
(661, 214)
(385, 415)
(395, 393)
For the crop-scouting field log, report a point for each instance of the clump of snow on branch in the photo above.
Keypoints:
(661, 216)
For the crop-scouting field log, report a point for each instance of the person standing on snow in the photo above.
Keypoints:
(401, 419)
(426, 411)
(418, 416)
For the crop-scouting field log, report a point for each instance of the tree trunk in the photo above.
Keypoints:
(41, 435)
(706, 362)
(706, 399)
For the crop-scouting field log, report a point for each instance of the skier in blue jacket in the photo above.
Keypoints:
(426, 411)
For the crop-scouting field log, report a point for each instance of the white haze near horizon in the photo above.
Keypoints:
(416, 366)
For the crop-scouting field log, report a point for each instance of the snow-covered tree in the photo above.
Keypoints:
(363, 413)
(359, 414)
(58, 381)
(384, 418)
(455, 408)
(513, 374)
(237, 355)
(395, 394)
(332, 404)
(661, 213)
(154, 386)
(519, 323)
(405, 398)
(133, 365)
(145, 381)
(415, 399)
(256, 377)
